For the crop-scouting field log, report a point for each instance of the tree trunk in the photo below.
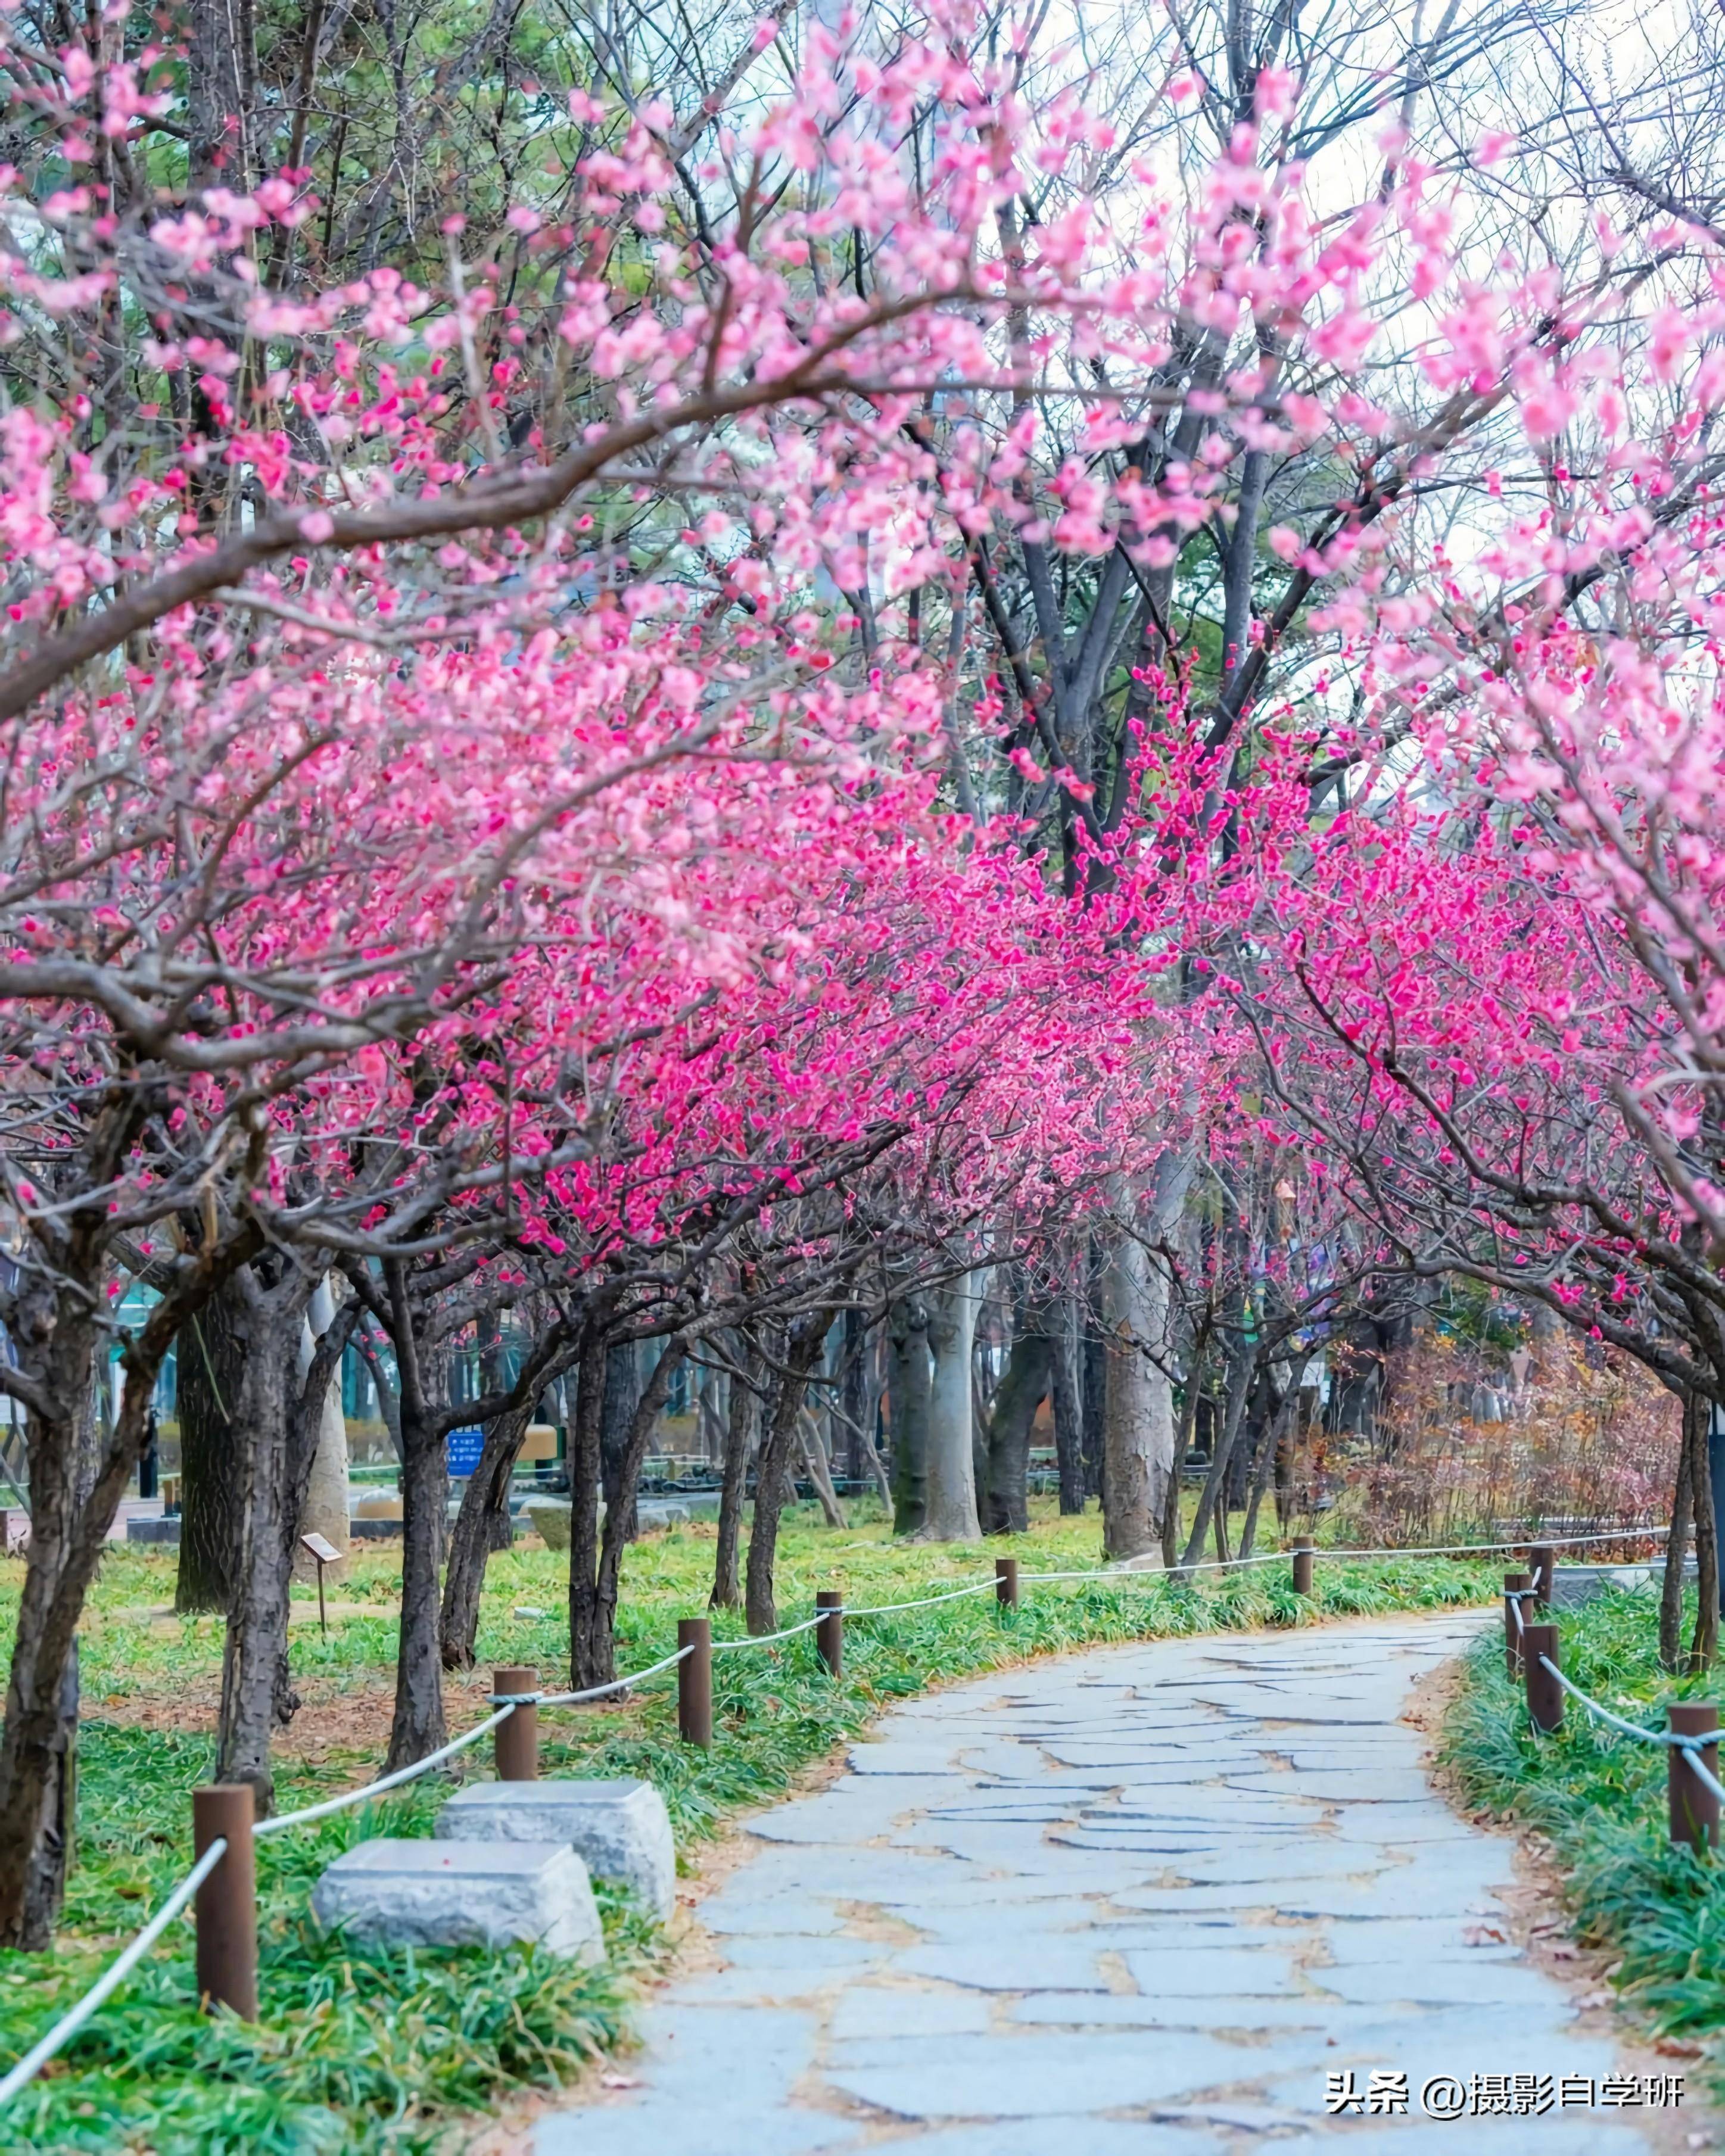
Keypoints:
(69, 1520)
(586, 1472)
(814, 1460)
(739, 1442)
(1093, 1384)
(802, 1351)
(853, 1400)
(1024, 1385)
(1138, 1425)
(257, 1695)
(621, 1396)
(418, 1726)
(212, 1369)
(325, 1512)
(1676, 1549)
(473, 1535)
(907, 1397)
(221, 66)
(599, 1611)
(1284, 1407)
(951, 1516)
(1239, 1372)
(1068, 1392)
(1704, 1646)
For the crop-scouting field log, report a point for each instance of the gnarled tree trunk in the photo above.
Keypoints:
(907, 1402)
(803, 1346)
(211, 1368)
(1024, 1385)
(473, 1535)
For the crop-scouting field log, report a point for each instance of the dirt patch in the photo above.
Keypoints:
(335, 1718)
(1536, 1921)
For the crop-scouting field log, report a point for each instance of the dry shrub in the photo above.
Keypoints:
(1590, 1442)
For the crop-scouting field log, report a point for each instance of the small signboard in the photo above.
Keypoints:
(325, 1551)
(465, 1448)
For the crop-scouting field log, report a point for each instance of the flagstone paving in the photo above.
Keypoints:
(1144, 1901)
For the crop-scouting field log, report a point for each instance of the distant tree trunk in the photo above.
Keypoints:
(1093, 1381)
(1240, 1370)
(854, 1398)
(1067, 1389)
(803, 1346)
(951, 1512)
(211, 1368)
(586, 1466)
(739, 1442)
(907, 1392)
(472, 1537)
(814, 1460)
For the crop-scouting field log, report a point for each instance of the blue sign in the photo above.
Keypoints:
(464, 1446)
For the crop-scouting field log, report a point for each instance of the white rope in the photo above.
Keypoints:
(603, 1690)
(769, 1639)
(370, 1789)
(923, 1602)
(113, 1977)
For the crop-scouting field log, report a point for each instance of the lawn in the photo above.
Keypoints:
(1599, 1798)
(374, 2051)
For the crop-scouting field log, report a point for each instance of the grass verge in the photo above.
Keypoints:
(372, 2051)
(1598, 1799)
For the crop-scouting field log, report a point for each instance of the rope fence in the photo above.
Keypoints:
(225, 1892)
(1533, 1653)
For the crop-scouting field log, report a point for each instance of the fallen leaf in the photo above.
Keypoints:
(1674, 2047)
(1483, 1935)
(618, 2082)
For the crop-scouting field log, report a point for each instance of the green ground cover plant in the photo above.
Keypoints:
(369, 2050)
(1600, 1799)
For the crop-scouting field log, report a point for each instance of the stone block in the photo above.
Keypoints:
(464, 1893)
(152, 1531)
(376, 1530)
(550, 1519)
(620, 1829)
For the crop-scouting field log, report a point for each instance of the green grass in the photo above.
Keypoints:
(376, 2052)
(1600, 1799)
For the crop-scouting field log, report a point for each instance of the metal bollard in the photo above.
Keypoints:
(830, 1633)
(226, 1905)
(694, 1681)
(1515, 1583)
(1545, 1695)
(1542, 1564)
(1006, 1582)
(1303, 1548)
(1694, 1807)
(515, 1742)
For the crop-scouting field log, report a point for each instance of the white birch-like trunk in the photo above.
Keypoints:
(952, 1514)
(326, 1493)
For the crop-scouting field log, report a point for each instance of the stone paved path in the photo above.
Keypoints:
(1140, 1901)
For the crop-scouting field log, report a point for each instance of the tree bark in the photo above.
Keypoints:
(1067, 1388)
(418, 1726)
(621, 1398)
(806, 1337)
(739, 1443)
(211, 1368)
(814, 1458)
(907, 1397)
(1676, 1549)
(1024, 1385)
(1239, 1372)
(473, 1535)
(257, 1693)
(951, 1516)
(1139, 1426)
(1704, 1646)
(593, 1609)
